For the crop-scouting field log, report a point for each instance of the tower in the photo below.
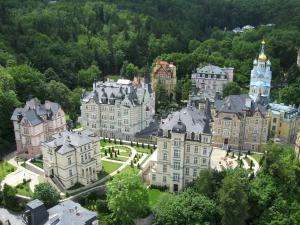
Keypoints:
(261, 75)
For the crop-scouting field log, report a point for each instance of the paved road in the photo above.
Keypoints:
(13, 219)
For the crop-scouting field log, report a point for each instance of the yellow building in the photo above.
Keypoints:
(283, 122)
(165, 73)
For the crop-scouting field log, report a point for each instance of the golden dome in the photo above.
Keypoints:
(262, 57)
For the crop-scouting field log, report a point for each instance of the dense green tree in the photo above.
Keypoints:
(9, 196)
(233, 199)
(47, 194)
(129, 70)
(86, 77)
(8, 101)
(127, 197)
(187, 208)
(231, 89)
(60, 93)
(28, 82)
(208, 182)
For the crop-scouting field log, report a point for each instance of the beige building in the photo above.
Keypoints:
(283, 122)
(36, 123)
(240, 123)
(211, 80)
(165, 74)
(72, 157)
(183, 149)
(118, 109)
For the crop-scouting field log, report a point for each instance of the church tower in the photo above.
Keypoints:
(261, 75)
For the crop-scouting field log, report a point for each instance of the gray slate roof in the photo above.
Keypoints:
(211, 69)
(70, 213)
(109, 91)
(239, 104)
(189, 117)
(65, 142)
(33, 111)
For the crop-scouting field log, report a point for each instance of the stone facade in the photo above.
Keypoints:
(261, 75)
(118, 109)
(283, 122)
(72, 157)
(183, 149)
(36, 123)
(240, 123)
(165, 74)
(212, 79)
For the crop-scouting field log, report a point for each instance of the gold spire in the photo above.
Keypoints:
(262, 56)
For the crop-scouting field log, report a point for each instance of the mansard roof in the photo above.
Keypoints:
(239, 104)
(65, 142)
(211, 69)
(34, 111)
(188, 119)
(103, 91)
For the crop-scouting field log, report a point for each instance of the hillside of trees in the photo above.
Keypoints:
(55, 49)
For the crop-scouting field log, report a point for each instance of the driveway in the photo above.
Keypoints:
(16, 177)
(13, 219)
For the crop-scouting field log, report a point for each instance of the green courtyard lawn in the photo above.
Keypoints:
(37, 162)
(24, 189)
(257, 157)
(140, 149)
(5, 169)
(109, 167)
(155, 196)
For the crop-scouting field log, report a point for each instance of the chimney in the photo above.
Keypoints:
(35, 213)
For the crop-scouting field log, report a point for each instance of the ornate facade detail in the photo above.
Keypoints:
(36, 123)
(117, 109)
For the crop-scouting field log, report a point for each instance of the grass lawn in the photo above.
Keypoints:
(37, 162)
(257, 157)
(110, 166)
(121, 159)
(155, 196)
(5, 168)
(143, 150)
(24, 189)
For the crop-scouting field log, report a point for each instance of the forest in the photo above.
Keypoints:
(55, 49)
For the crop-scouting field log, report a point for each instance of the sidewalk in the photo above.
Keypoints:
(16, 177)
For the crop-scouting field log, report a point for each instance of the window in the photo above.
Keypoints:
(85, 156)
(195, 160)
(165, 156)
(164, 168)
(164, 179)
(188, 148)
(154, 177)
(175, 177)
(177, 143)
(70, 173)
(176, 165)
(176, 153)
(187, 159)
(165, 145)
(195, 173)
(196, 149)
(187, 171)
(82, 172)
(273, 128)
(204, 151)
(204, 160)
(69, 161)
(274, 120)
